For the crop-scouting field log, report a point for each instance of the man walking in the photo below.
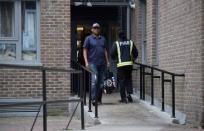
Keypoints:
(96, 58)
(125, 52)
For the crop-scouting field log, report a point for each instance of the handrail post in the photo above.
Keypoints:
(80, 80)
(162, 91)
(152, 86)
(44, 100)
(82, 101)
(173, 96)
(84, 87)
(72, 87)
(96, 99)
(143, 78)
(90, 93)
(141, 82)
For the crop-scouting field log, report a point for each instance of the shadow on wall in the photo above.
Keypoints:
(202, 119)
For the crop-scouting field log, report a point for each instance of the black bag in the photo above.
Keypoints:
(109, 82)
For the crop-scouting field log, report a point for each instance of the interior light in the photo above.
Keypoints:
(78, 3)
(89, 4)
(80, 28)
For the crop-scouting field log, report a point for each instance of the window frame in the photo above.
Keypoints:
(18, 39)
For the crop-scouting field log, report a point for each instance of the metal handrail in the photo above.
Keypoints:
(96, 101)
(36, 103)
(163, 72)
(45, 102)
(85, 69)
(157, 69)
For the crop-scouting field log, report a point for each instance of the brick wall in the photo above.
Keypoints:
(202, 69)
(20, 84)
(180, 48)
(55, 52)
(202, 79)
(136, 36)
(151, 31)
(55, 33)
(136, 26)
(56, 43)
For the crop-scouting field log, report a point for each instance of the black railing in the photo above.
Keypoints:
(87, 73)
(143, 73)
(44, 101)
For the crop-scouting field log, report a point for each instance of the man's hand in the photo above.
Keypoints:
(108, 64)
(85, 57)
(87, 65)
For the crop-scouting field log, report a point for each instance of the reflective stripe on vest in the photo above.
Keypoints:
(125, 63)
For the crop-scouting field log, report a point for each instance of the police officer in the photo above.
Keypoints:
(125, 52)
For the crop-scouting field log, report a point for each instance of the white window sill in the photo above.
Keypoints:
(23, 63)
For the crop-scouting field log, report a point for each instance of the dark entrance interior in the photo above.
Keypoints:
(111, 18)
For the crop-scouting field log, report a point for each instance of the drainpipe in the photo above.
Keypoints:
(157, 32)
(129, 8)
(128, 22)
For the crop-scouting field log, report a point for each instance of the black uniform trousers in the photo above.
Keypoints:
(125, 81)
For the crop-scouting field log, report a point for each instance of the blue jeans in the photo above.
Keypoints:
(97, 81)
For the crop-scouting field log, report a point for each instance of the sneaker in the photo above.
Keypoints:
(129, 97)
(123, 101)
(104, 91)
(94, 103)
(99, 102)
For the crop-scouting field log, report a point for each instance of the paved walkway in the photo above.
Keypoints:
(55, 123)
(115, 116)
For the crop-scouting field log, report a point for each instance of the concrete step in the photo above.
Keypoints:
(22, 111)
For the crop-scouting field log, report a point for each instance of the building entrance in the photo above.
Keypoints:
(111, 18)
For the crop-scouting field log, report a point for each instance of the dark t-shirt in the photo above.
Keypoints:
(96, 49)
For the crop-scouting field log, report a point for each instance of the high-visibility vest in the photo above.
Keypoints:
(121, 62)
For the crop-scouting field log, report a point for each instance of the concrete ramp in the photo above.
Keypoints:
(136, 116)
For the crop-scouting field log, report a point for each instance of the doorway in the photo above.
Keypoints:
(111, 18)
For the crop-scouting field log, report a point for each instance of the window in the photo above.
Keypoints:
(29, 47)
(7, 31)
(19, 31)
(7, 19)
(7, 51)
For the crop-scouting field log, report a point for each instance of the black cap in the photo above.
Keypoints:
(122, 35)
